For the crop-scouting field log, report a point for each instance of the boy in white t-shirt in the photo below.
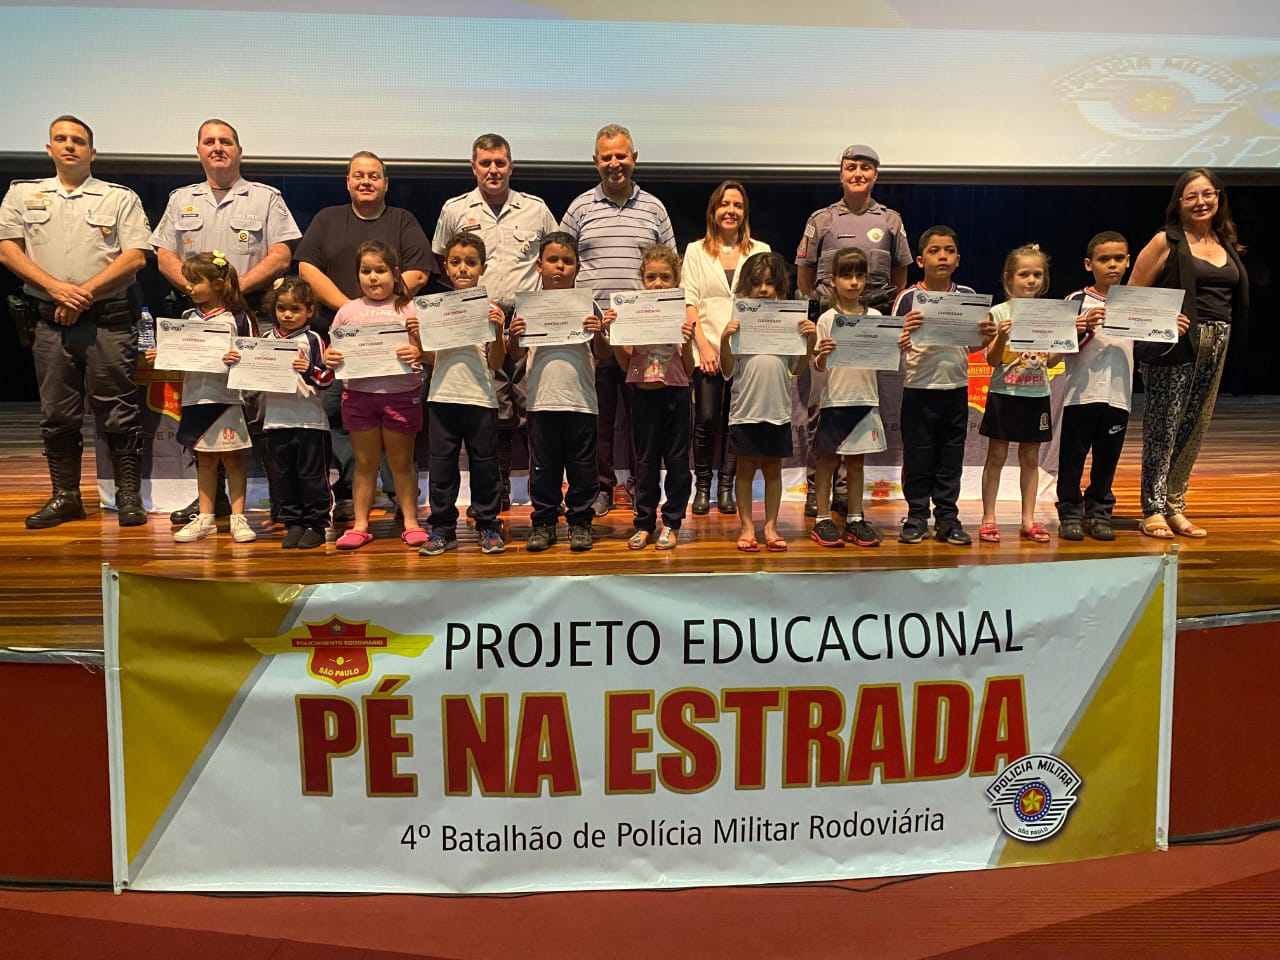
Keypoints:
(935, 402)
(562, 408)
(462, 408)
(1095, 411)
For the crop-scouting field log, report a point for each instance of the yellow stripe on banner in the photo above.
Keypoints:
(1116, 750)
(183, 641)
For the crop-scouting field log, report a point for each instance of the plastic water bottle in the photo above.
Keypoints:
(146, 330)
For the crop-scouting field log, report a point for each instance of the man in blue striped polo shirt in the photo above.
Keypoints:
(614, 223)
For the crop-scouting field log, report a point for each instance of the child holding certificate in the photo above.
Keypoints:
(382, 413)
(846, 410)
(295, 423)
(935, 403)
(1018, 399)
(562, 408)
(660, 412)
(760, 405)
(213, 422)
(462, 408)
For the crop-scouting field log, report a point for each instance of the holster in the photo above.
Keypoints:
(26, 315)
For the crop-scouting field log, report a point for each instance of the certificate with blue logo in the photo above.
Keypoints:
(647, 317)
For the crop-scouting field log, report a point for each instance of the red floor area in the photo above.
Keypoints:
(1203, 902)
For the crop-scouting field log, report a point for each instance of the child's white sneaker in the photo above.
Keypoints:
(241, 532)
(202, 526)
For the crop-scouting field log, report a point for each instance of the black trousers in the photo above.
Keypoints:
(611, 382)
(300, 456)
(660, 419)
(562, 445)
(935, 424)
(88, 362)
(1100, 427)
(711, 394)
(451, 426)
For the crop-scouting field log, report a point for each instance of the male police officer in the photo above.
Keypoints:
(511, 225)
(76, 242)
(247, 221)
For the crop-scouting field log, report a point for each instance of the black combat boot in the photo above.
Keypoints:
(126, 464)
(63, 453)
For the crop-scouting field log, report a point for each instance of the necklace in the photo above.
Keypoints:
(727, 248)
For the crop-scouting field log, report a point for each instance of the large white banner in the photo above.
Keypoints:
(636, 731)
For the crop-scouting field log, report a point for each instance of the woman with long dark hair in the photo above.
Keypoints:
(711, 268)
(1197, 252)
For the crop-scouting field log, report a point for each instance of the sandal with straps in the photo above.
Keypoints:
(1036, 533)
(1156, 527)
(1183, 527)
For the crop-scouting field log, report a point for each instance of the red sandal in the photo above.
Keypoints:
(1036, 532)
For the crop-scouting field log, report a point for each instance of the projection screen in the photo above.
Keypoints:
(983, 84)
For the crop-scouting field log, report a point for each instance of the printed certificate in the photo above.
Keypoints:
(865, 341)
(456, 318)
(197, 346)
(1043, 326)
(769, 326)
(554, 317)
(647, 317)
(1143, 313)
(265, 365)
(369, 349)
(950, 319)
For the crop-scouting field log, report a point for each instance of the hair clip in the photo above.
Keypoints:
(219, 258)
(1034, 246)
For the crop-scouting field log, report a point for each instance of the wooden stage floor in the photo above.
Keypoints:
(50, 591)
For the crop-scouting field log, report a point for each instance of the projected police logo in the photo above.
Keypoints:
(1154, 98)
(341, 651)
(1032, 796)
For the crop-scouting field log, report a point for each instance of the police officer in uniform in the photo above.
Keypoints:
(77, 242)
(855, 220)
(248, 221)
(511, 224)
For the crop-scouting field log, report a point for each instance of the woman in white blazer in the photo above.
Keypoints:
(710, 271)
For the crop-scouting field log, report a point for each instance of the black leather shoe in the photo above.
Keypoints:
(811, 504)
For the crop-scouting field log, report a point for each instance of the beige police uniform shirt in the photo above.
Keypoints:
(74, 235)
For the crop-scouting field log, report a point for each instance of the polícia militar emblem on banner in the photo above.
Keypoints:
(1032, 796)
(1140, 97)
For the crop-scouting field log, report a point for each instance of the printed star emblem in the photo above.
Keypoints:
(1153, 100)
(1032, 802)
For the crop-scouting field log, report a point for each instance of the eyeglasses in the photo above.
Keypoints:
(1208, 196)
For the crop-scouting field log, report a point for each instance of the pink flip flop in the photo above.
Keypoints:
(354, 539)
